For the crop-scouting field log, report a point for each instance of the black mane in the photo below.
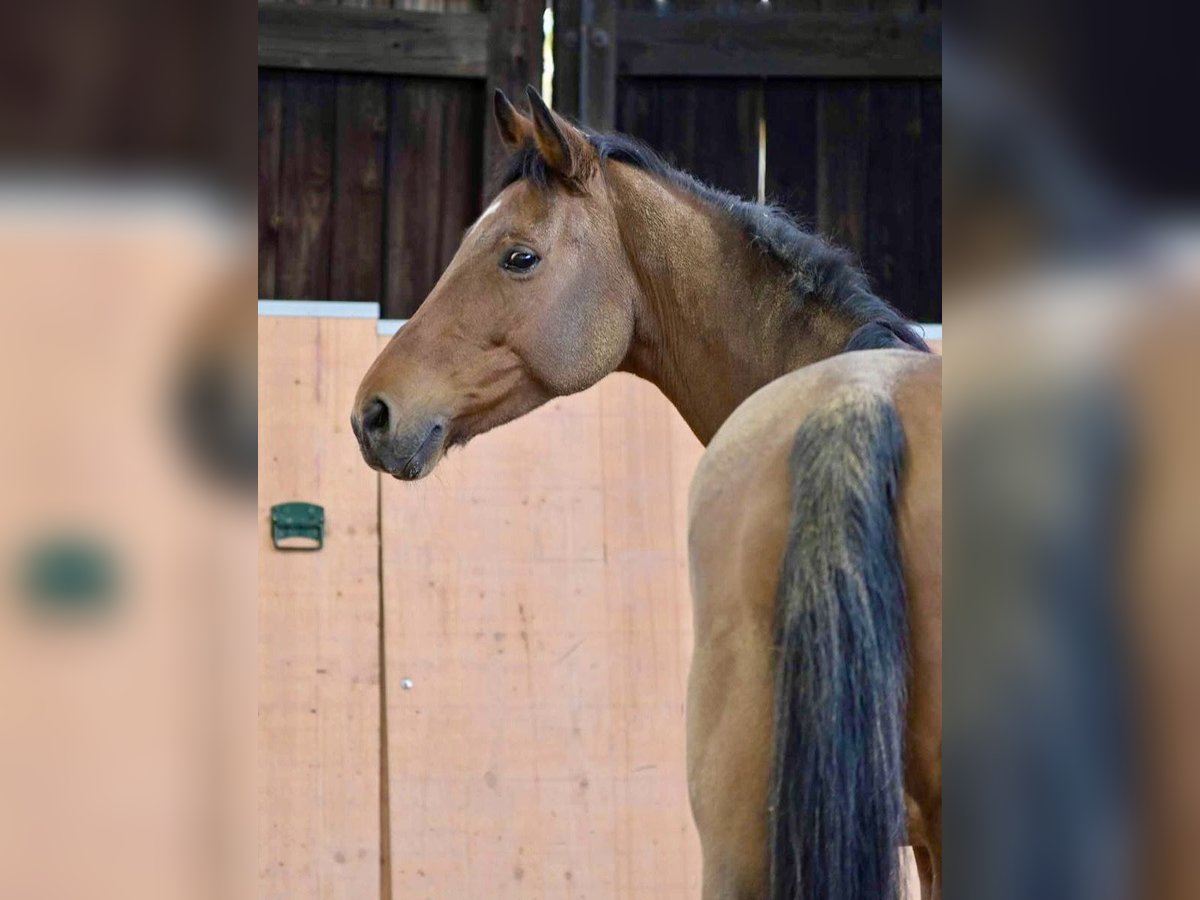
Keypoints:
(820, 271)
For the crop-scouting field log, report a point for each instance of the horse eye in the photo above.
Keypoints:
(520, 259)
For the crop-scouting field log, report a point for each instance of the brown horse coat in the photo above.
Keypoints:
(595, 257)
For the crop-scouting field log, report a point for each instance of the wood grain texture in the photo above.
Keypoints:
(536, 597)
(837, 167)
(319, 728)
(842, 121)
(893, 215)
(270, 149)
(709, 127)
(790, 111)
(514, 60)
(434, 184)
(465, 116)
(356, 254)
(398, 42)
(306, 188)
(757, 42)
(929, 202)
(585, 59)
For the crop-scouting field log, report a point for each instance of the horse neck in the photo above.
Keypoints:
(713, 322)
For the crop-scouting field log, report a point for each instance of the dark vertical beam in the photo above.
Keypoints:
(434, 174)
(929, 200)
(357, 257)
(416, 123)
(270, 143)
(709, 129)
(842, 119)
(306, 184)
(842, 116)
(892, 221)
(708, 126)
(514, 61)
(585, 61)
(790, 109)
(462, 161)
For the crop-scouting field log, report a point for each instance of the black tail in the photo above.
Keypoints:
(837, 801)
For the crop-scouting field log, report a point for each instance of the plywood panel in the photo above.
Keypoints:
(538, 633)
(121, 719)
(319, 687)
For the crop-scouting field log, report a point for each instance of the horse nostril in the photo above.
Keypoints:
(375, 417)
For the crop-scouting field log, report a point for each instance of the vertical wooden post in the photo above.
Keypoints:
(585, 61)
(514, 60)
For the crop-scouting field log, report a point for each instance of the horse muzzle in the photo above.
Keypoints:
(405, 450)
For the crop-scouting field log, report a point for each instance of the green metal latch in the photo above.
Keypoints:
(297, 526)
(71, 574)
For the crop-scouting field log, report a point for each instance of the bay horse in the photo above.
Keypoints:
(814, 697)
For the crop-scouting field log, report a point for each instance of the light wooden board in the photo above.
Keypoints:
(319, 731)
(536, 598)
(120, 736)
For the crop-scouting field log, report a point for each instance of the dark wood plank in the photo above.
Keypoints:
(514, 60)
(842, 164)
(415, 125)
(306, 174)
(434, 151)
(465, 115)
(733, 7)
(763, 43)
(708, 128)
(566, 57)
(585, 62)
(399, 42)
(790, 110)
(795, 5)
(270, 143)
(892, 216)
(928, 303)
(356, 266)
(437, 5)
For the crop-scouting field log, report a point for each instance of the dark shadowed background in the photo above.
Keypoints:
(375, 147)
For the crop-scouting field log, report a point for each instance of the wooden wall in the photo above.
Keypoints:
(366, 183)
(857, 159)
(368, 180)
(536, 595)
(319, 662)
(373, 158)
(476, 689)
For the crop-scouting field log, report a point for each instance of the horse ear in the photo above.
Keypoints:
(514, 128)
(564, 147)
